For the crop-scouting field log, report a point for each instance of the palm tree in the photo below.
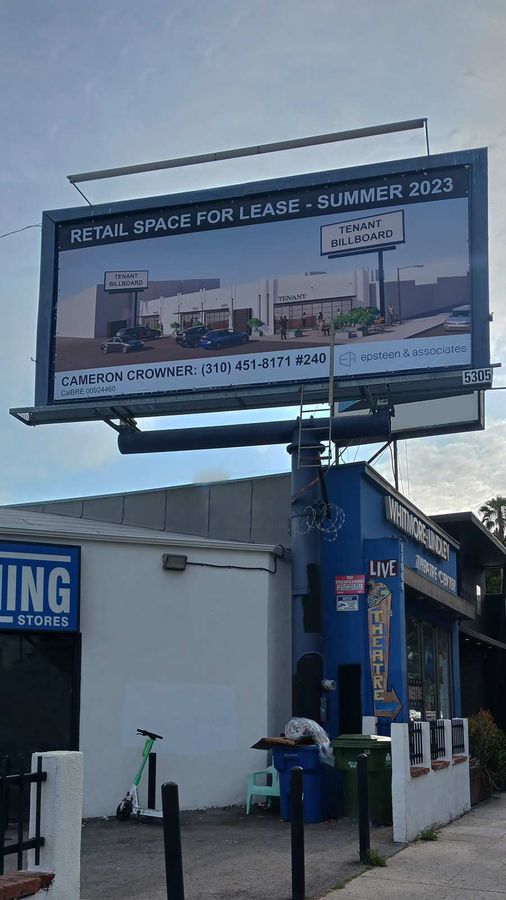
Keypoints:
(493, 516)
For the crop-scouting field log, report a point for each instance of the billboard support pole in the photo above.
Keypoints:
(315, 140)
(396, 464)
(307, 660)
(381, 283)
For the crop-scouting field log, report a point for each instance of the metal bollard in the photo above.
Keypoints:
(172, 842)
(364, 837)
(297, 834)
(152, 781)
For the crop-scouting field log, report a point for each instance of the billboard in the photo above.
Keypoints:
(424, 418)
(244, 288)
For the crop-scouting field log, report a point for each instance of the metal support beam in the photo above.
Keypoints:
(179, 162)
(343, 429)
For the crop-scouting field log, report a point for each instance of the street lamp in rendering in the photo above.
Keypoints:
(399, 269)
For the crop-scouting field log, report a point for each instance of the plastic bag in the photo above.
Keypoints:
(296, 729)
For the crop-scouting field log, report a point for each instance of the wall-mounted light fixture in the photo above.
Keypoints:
(174, 562)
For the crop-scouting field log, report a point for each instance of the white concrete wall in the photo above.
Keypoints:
(60, 821)
(315, 287)
(279, 650)
(431, 799)
(187, 655)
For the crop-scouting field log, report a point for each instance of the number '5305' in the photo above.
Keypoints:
(477, 376)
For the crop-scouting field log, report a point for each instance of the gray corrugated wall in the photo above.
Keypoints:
(249, 509)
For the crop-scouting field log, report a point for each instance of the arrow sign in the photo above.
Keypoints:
(390, 706)
(379, 603)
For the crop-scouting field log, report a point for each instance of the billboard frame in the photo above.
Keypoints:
(405, 386)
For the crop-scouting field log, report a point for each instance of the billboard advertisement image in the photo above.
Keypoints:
(251, 285)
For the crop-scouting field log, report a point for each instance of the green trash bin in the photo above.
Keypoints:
(379, 765)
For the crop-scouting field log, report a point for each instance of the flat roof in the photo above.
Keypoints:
(489, 550)
(19, 524)
(435, 593)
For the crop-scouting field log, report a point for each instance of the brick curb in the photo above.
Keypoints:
(24, 884)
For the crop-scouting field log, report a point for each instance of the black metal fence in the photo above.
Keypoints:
(437, 739)
(415, 743)
(14, 794)
(458, 745)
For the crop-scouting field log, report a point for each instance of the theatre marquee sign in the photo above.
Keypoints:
(416, 528)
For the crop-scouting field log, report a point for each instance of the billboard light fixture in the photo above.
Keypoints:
(220, 155)
(174, 562)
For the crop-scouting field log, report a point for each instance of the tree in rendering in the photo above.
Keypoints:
(493, 516)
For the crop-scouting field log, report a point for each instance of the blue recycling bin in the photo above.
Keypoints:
(306, 756)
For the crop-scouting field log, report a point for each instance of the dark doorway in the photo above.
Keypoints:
(350, 703)
(307, 688)
(39, 693)
(240, 319)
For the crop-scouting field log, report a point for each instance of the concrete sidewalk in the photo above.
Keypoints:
(468, 862)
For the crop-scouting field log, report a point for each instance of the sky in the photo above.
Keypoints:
(90, 85)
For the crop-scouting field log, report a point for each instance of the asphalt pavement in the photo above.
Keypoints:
(226, 855)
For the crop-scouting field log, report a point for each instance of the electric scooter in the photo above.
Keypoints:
(130, 803)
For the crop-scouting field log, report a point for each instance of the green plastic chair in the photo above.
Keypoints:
(262, 790)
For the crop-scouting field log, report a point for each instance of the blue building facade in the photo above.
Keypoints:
(390, 608)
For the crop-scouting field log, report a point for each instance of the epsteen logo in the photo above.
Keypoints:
(32, 595)
(415, 528)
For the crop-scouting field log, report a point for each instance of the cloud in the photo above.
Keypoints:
(210, 473)
(452, 474)
(41, 458)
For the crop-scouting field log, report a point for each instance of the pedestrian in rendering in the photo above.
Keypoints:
(284, 326)
(390, 314)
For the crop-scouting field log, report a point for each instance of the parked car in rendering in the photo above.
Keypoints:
(459, 319)
(215, 340)
(138, 333)
(191, 337)
(121, 345)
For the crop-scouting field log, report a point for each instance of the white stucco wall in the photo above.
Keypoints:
(187, 655)
(60, 823)
(431, 799)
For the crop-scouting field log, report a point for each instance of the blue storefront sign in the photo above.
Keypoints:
(39, 587)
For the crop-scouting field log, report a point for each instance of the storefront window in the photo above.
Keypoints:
(428, 652)
(429, 671)
(217, 318)
(413, 648)
(415, 685)
(444, 670)
(305, 314)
